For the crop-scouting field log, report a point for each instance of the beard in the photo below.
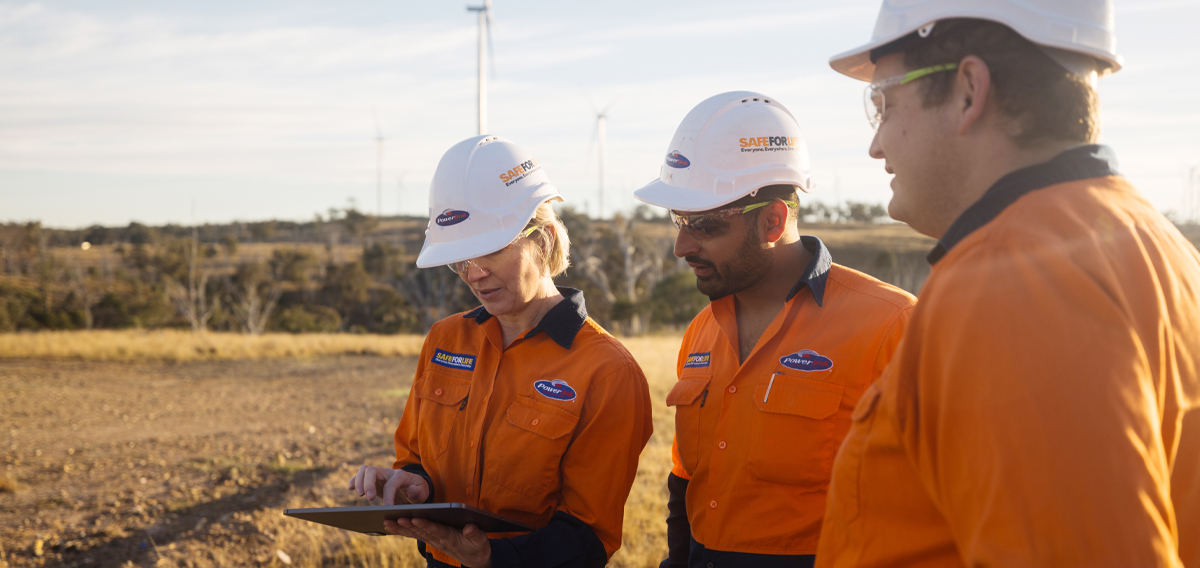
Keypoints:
(749, 264)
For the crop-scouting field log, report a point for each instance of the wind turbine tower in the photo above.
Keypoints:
(599, 136)
(601, 120)
(485, 36)
(378, 169)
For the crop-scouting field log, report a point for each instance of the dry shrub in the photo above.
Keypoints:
(8, 485)
(178, 345)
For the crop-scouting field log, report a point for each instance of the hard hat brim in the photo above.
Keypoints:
(483, 244)
(856, 63)
(676, 198)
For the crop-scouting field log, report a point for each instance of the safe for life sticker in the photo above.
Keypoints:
(806, 360)
(454, 360)
(557, 389)
(697, 360)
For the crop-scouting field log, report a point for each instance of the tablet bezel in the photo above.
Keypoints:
(361, 519)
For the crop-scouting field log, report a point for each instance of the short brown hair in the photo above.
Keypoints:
(771, 193)
(1045, 100)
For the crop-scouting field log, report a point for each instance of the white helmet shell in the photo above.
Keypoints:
(484, 192)
(1075, 26)
(730, 146)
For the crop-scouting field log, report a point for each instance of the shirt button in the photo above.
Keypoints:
(535, 422)
(472, 443)
(721, 445)
(713, 504)
(468, 491)
(732, 389)
(438, 392)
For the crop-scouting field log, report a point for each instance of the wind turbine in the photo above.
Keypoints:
(378, 168)
(400, 194)
(600, 136)
(485, 29)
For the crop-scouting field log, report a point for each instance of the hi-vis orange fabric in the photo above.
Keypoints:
(757, 440)
(528, 430)
(1043, 408)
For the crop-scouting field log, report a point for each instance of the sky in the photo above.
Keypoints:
(137, 110)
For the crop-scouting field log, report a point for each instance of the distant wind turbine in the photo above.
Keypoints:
(485, 36)
(378, 168)
(600, 137)
(400, 194)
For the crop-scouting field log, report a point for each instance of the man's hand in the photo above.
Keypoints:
(469, 546)
(390, 484)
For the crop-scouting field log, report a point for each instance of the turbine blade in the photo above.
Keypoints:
(610, 105)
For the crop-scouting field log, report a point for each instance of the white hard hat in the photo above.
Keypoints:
(483, 193)
(726, 148)
(1063, 28)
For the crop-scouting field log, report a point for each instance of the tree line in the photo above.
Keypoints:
(297, 277)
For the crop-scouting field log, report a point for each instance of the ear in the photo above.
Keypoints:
(971, 88)
(773, 221)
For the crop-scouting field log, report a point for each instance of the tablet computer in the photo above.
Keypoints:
(369, 520)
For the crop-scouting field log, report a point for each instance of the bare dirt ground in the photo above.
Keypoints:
(191, 463)
(186, 464)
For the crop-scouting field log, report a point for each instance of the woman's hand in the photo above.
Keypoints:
(390, 484)
(469, 546)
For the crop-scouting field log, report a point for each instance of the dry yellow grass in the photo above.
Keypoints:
(179, 345)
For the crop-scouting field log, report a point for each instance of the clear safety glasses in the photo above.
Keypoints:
(708, 225)
(876, 103)
(461, 267)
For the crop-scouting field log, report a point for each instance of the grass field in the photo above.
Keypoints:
(163, 454)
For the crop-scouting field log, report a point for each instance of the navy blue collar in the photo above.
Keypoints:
(817, 272)
(1082, 162)
(562, 323)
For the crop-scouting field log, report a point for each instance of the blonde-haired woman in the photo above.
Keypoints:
(524, 406)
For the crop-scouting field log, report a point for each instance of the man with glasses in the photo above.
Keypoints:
(1044, 407)
(770, 371)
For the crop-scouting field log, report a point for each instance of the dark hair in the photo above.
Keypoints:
(1045, 100)
(770, 193)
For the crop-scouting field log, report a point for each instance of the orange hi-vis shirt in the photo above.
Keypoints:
(1043, 408)
(757, 440)
(554, 423)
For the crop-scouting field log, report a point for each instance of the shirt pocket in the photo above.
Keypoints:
(442, 401)
(847, 472)
(793, 437)
(688, 396)
(526, 454)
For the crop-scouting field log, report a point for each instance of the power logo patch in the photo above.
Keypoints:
(697, 360)
(806, 360)
(451, 217)
(769, 144)
(454, 360)
(518, 172)
(677, 160)
(556, 389)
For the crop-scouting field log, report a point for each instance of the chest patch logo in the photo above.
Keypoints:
(806, 360)
(697, 360)
(556, 389)
(454, 360)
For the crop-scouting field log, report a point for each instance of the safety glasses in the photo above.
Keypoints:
(874, 100)
(461, 267)
(708, 225)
